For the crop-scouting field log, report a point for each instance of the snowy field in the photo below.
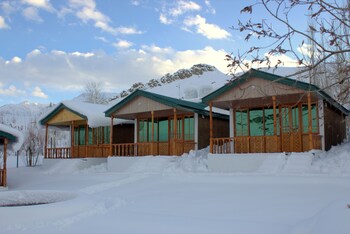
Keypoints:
(180, 195)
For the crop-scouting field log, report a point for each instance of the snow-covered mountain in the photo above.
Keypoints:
(21, 116)
(192, 83)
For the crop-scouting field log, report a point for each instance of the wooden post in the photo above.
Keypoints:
(87, 140)
(152, 137)
(274, 120)
(211, 126)
(111, 137)
(175, 131)
(300, 113)
(72, 141)
(46, 136)
(4, 175)
(310, 120)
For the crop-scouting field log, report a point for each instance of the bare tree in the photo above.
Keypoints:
(93, 93)
(33, 144)
(326, 40)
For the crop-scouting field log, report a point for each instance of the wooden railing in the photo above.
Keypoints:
(61, 152)
(2, 177)
(263, 144)
(155, 148)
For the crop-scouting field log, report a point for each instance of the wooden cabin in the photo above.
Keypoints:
(88, 131)
(8, 137)
(270, 113)
(164, 125)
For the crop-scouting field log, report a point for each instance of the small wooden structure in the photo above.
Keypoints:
(270, 113)
(89, 130)
(7, 136)
(164, 125)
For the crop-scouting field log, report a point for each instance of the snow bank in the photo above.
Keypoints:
(194, 161)
(72, 166)
(23, 198)
(335, 161)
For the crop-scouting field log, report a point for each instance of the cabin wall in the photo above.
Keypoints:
(221, 128)
(335, 127)
(123, 133)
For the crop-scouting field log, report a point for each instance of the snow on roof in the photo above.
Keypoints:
(17, 143)
(93, 113)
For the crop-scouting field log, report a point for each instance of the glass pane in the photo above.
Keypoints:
(90, 136)
(76, 136)
(143, 131)
(313, 117)
(107, 135)
(256, 123)
(269, 126)
(179, 129)
(163, 130)
(189, 128)
(241, 126)
(155, 126)
(81, 135)
(285, 119)
(295, 119)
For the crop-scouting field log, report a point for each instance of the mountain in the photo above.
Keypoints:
(192, 83)
(21, 116)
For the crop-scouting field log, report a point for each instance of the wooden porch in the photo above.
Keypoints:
(156, 148)
(265, 144)
(81, 151)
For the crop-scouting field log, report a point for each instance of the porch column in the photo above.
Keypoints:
(152, 137)
(4, 179)
(196, 131)
(72, 140)
(274, 120)
(86, 139)
(232, 129)
(310, 120)
(111, 137)
(321, 123)
(46, 136)
(175, 131)
(211, 126)
(136, 137)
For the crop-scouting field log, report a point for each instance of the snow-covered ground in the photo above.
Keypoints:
(182, 195)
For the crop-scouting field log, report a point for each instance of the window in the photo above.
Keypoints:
(256, 122)
(189, 128)
(241, 127)
(305, 117)
(269, 122)
(163, 130)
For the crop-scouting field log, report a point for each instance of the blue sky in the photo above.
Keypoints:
(50, 49)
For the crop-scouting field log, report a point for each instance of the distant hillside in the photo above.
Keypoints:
(198, 71)
(21, 115)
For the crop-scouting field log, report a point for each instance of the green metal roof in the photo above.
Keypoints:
(60, 107)
(8, 136)
(252, 73)
(169, 101)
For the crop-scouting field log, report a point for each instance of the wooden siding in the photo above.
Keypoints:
(141, 104)
(64, 116)
(335, 127)
(257, 88)
(220, 129)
